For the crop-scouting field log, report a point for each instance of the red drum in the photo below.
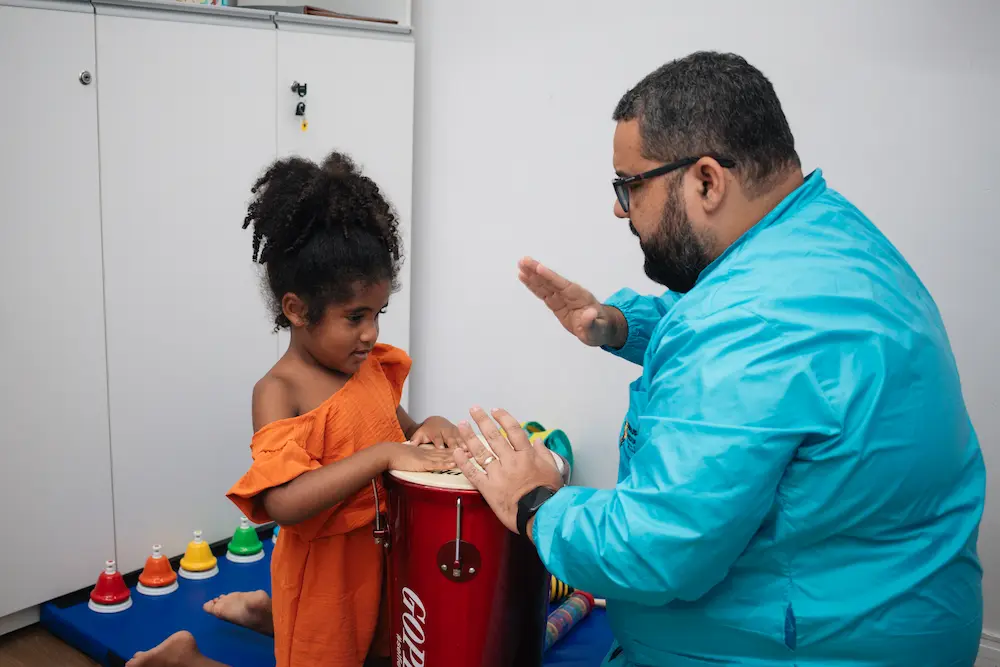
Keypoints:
(464, 591)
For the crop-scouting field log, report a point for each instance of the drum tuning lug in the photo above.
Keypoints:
(381, 532)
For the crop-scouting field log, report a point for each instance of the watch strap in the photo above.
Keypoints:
(528, 508)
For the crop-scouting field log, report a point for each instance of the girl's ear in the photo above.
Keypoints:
(295, 309)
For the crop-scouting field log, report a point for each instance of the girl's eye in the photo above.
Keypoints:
(355, 318)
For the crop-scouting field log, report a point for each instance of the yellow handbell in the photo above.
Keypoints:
(198, 561)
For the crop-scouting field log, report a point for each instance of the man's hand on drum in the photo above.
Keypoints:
(579, 311)
(416, 458)
(515, 467)
(437, 431)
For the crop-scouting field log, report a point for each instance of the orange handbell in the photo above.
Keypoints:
(157, 578)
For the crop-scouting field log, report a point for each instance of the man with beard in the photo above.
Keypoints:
(799, 481)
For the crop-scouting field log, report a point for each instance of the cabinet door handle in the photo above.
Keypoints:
(86, 77)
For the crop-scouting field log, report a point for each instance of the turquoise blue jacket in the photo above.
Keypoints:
(799, 481)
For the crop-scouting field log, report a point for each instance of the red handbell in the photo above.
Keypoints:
(110, 594)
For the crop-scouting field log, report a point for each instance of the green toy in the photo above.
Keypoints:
(555, 440)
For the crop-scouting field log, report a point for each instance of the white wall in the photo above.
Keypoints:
(896, 101)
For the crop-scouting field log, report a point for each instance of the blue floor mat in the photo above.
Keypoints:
(110, 639)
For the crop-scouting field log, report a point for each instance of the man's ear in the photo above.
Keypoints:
(711, 177)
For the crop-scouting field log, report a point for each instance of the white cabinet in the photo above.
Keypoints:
(134, 325)
(55, 471)
(187, 122)
(359, 100)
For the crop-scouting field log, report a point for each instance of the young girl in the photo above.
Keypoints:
(326, 417)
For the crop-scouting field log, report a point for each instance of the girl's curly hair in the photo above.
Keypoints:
(320, 231)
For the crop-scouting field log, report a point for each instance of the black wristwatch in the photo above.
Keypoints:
(530, 503)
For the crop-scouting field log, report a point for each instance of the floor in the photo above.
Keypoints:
(35, 647)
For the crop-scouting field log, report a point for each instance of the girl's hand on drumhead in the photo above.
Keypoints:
(418, 458)
(437, 431)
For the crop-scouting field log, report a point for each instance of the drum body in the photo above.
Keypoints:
(464, 591)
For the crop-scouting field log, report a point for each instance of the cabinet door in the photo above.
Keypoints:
(187, 115)
(359, 101)
(55, 468)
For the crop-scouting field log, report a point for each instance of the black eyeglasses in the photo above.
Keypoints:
(624, 183)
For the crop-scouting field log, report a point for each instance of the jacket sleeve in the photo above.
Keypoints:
(729, 402)
(642, 313)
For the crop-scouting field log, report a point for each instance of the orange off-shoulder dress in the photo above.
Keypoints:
(327, 573)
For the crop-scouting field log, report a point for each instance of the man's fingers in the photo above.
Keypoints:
(473, 445)
(438, 440)
(516, 436)
(554, 299)
(468, 468)
(527, 264)
(538, 287)
(545, 285)
(551, 277)
(489, 429)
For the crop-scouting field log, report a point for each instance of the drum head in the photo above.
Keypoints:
(456, 479)
(441, 479)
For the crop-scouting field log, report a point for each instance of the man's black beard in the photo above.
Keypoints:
(675, 257)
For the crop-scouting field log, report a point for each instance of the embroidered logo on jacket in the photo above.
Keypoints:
(628, 434)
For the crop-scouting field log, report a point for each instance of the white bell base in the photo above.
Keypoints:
(109, 608)
(244, 559)
(154, 592)
(195, 576)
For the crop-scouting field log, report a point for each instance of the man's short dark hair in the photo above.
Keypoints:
(713, 102)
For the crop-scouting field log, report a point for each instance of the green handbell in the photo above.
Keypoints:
(245, 541)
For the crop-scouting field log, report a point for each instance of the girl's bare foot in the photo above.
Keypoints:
(177, 650)
(251, 610)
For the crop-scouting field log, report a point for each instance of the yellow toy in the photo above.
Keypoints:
(559, 591)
